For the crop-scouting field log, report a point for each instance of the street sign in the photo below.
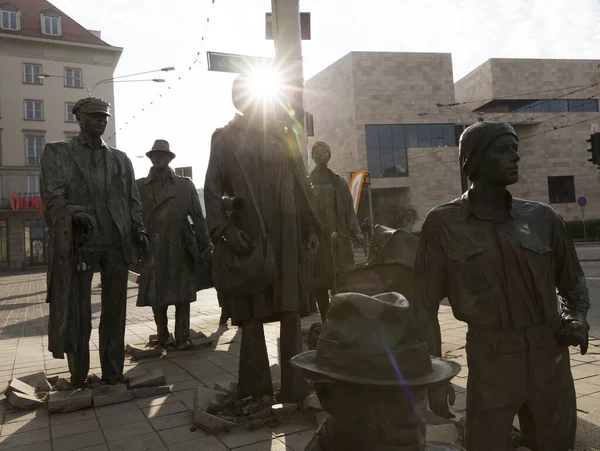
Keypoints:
(304, 26)
(237, 64)
(581, 201)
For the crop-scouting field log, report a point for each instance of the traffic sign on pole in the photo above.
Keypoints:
(582, 201)
(237, 64)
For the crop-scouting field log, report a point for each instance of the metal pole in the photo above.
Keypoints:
(288, 60)
(583, 221)
(370, 203)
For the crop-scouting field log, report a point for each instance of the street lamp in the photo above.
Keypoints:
(113, 80)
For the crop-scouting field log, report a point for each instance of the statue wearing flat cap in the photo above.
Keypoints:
(179, 242)
(94, 214)
(510, 271)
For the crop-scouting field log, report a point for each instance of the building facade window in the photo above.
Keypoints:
(561, 189)
(31, 72)
(69, 116)
(34, 146)
(73, 78)
(387, 145)
(51, 24)
(34, 232)
(10, 18)
(33, 184)
(34, 110)
(3, 242)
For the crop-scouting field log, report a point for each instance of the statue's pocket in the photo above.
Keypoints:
(469, 275)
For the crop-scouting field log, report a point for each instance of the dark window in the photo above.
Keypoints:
(398, 136)
(424, 135)
(558, 106)
(412, 136)
(3, 242)
(450, 135)
(385, 136)
(437, 135)
(386, 154)
(561, 189)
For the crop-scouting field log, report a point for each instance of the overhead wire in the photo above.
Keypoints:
(194, 63)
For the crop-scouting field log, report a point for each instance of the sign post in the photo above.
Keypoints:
(582, 202)
(237, 64)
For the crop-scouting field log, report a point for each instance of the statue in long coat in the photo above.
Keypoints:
(169, 270)
(257, 158)
(339, 225)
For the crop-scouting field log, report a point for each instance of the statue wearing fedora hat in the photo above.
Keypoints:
(510, 271)
(371, 369)
(262, 256)
(168, 271)
(339, 224)
(95, 218)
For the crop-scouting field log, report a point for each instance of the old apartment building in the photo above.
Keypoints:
(47, 63)
(399, 115)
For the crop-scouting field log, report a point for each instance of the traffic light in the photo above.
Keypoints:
(594, 140)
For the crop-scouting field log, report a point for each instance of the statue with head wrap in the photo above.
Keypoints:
(501, 261)
(339, 224)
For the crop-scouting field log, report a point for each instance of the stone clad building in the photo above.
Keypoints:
(382, 112)
(37, 38)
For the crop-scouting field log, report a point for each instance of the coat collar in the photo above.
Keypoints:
(467, 208)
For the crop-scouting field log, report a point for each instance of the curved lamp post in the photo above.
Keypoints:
(111, 80)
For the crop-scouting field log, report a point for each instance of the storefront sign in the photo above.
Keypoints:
(26, 201)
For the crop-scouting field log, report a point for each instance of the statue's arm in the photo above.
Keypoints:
(430, 281)
(216, 216)
(53, 185)
(195, 212)
(135, 205)
(569, 277)
(354, 224)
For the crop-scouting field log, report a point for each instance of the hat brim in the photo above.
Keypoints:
(150, 152)
(442, 371)
(97, 111)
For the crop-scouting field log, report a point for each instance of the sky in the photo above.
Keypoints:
(194, 102)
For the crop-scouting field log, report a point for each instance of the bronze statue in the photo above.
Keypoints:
(94, 215)
(371, 370)
(179, 242)
(500, 261)
(262, 255)
(338, 221)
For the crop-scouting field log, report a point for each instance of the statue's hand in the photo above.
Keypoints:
(142, 244)
(237, 239)
(312, 245)
(574, 333)
(440, 396)
(360, 238)
(83, 219)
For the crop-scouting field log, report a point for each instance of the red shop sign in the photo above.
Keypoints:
(26, 202)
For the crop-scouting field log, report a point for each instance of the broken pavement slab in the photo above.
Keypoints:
(148, 392)
(202, 342)
(70, 400)
(227, 386)
(311, 402)
(37, 380)
(208, 400)
(111, 394)
(153, 378)
(23, 401)
(17, 385)
(212, 423)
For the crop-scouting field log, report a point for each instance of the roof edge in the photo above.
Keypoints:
(62, 42)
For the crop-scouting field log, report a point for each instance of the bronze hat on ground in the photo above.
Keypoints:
(161, 145)
(373, 340)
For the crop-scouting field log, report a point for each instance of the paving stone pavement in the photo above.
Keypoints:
(165, 422)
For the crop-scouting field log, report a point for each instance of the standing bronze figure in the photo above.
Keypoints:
(501, 261)
(338, 221)
(179, 242)
(95, 218)
(262, 256)
(371, 371)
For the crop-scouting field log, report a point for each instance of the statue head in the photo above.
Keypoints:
(321, 153)
(488, 153)
(92, 114)
(160, 154)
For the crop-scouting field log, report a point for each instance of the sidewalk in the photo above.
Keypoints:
(165, 422)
